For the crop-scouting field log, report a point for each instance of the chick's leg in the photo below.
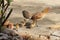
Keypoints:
(36, 23)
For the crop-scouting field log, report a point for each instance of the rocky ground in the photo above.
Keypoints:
(8, 34)
(49, 25)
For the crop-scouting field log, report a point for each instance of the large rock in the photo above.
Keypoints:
(9, 34)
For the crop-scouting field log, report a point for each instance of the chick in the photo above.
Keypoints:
(17, 26)
(10, 26)
(30, 24)
(22, 23)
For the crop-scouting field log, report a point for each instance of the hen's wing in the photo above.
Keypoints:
(26, 14)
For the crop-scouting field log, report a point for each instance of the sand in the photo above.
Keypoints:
(52, 20)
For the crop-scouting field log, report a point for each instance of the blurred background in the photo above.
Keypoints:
(34, 6)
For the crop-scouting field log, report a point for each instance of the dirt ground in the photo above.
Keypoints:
(52, 20)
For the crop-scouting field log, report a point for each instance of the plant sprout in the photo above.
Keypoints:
(3, 7)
